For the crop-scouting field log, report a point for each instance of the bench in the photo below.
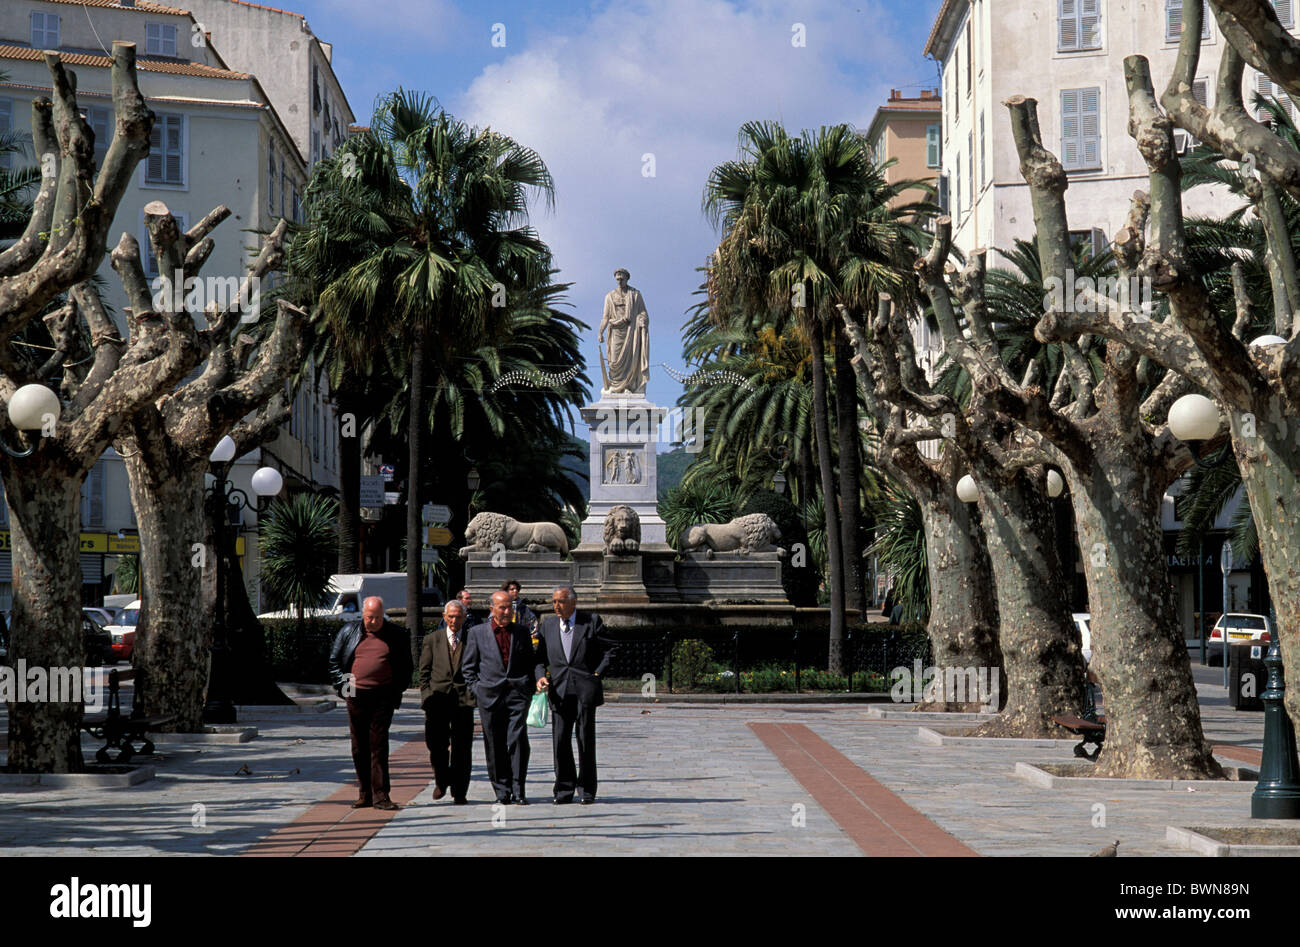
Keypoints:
(1089, 727)
(118, 732)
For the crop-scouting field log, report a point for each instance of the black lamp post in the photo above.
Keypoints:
(1277, 796)
(223, 498)
(472, 481)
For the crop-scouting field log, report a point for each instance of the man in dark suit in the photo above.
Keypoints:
(498, 669)
(448, 705)
(576, 648)
(471, 617)
(370, 664)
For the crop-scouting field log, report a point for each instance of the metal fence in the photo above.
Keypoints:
(675, 654)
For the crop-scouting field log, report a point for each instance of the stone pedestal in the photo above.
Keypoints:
(733, 577)
(621, 579)
(538, 573)
(624, 430)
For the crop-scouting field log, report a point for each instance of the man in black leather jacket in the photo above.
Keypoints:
(370, 665)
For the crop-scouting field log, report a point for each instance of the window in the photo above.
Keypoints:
(45, 31)
(1174, 20)
(1080, 128)
(92, 496)
(100, 120)
(984, 153)
(270, 180)
(1078, 25)
(160, 39)
(969, 27)
(315, 430)
(315, 145)
(1284, 14)
(932, 146)
(6, 126)
(943, 193)
(285, 205)
(957, 180)
(970, 166)
(166, 161)
(146, 246)
(297, 206)
(315, 88)
(956, 83)
(1269, 89)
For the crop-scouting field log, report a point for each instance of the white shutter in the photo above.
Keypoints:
(1067, 35)
(1070, 146)
(175, 158)
(92, 496)
(1090, 126)
(100, 120)
(270, 180)
(1284, 15)
(1173, 19)
(1089, 24)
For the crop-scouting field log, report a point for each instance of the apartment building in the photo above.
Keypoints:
(1068, 55)
(293, 65)
(908, 130)
(219, 138)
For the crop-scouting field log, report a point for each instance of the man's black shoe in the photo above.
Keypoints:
(587, 801)
(459, 801)
(521, 801)
(563, 802)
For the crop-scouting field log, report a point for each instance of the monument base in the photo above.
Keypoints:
(731, 577)
(538, 573)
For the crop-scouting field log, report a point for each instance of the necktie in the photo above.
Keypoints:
(567, 638)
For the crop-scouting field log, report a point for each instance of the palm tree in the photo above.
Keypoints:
(803, 231)
(297, 546)
(425, 226)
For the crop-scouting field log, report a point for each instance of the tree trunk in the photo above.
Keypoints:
(416, 426)
(45, 632)
(1040, 645)
(349, 480)
(1153, 720)
(174, 638)
(846, 411)
(963, 625)
(1272, 487)
(834, 553)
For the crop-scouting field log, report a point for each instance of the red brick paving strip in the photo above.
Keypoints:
(878, 821)
(1243, 753)
(332, 828)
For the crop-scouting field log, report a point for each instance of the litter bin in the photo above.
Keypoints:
(1247, 676)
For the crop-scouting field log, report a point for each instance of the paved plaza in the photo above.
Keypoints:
(675, 779)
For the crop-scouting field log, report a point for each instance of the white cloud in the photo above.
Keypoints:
(676, 79)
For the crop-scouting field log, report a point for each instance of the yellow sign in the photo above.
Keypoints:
(94, 542)
(124, 544)
(439, 536)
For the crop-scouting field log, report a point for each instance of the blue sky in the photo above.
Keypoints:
(593, 88)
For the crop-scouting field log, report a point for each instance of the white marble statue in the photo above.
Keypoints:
(626, 365)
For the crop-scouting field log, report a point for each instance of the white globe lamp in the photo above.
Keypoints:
(1055, 484)
(1194, 418)
(967, 492)
(224, 452)
(267, 482)
(31, 405)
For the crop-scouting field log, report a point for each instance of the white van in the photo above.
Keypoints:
(349, 590)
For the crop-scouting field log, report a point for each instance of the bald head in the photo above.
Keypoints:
(372, 614)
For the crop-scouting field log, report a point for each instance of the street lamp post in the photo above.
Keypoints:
(1194, 419)
(221, 497)
(1225, 564)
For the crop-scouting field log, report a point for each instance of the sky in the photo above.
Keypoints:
(631, 105)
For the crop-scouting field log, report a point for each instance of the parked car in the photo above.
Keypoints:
(1240, 627)
(102, 616)
(96, 641)
(1083, 621)
(122, 631)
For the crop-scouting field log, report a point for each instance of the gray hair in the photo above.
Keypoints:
(454, 602)
(568, 592)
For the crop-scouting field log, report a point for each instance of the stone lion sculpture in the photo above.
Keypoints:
(622, 531)
(488, 529)
(756, 532)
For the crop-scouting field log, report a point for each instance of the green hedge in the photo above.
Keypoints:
(306, 661)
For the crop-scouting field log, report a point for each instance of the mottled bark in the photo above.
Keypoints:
(45, 628)
(174, 636)
(963, 626)
(1040, 645)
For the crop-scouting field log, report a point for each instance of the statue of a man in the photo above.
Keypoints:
(628, 352)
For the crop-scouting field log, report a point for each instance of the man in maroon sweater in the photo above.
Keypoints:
(371, 666)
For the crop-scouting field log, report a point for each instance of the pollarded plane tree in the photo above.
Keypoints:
(1118, 464)
(963, 625)
(166, 445)
(105, 379)
(1258, 387)
(1039, 644)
